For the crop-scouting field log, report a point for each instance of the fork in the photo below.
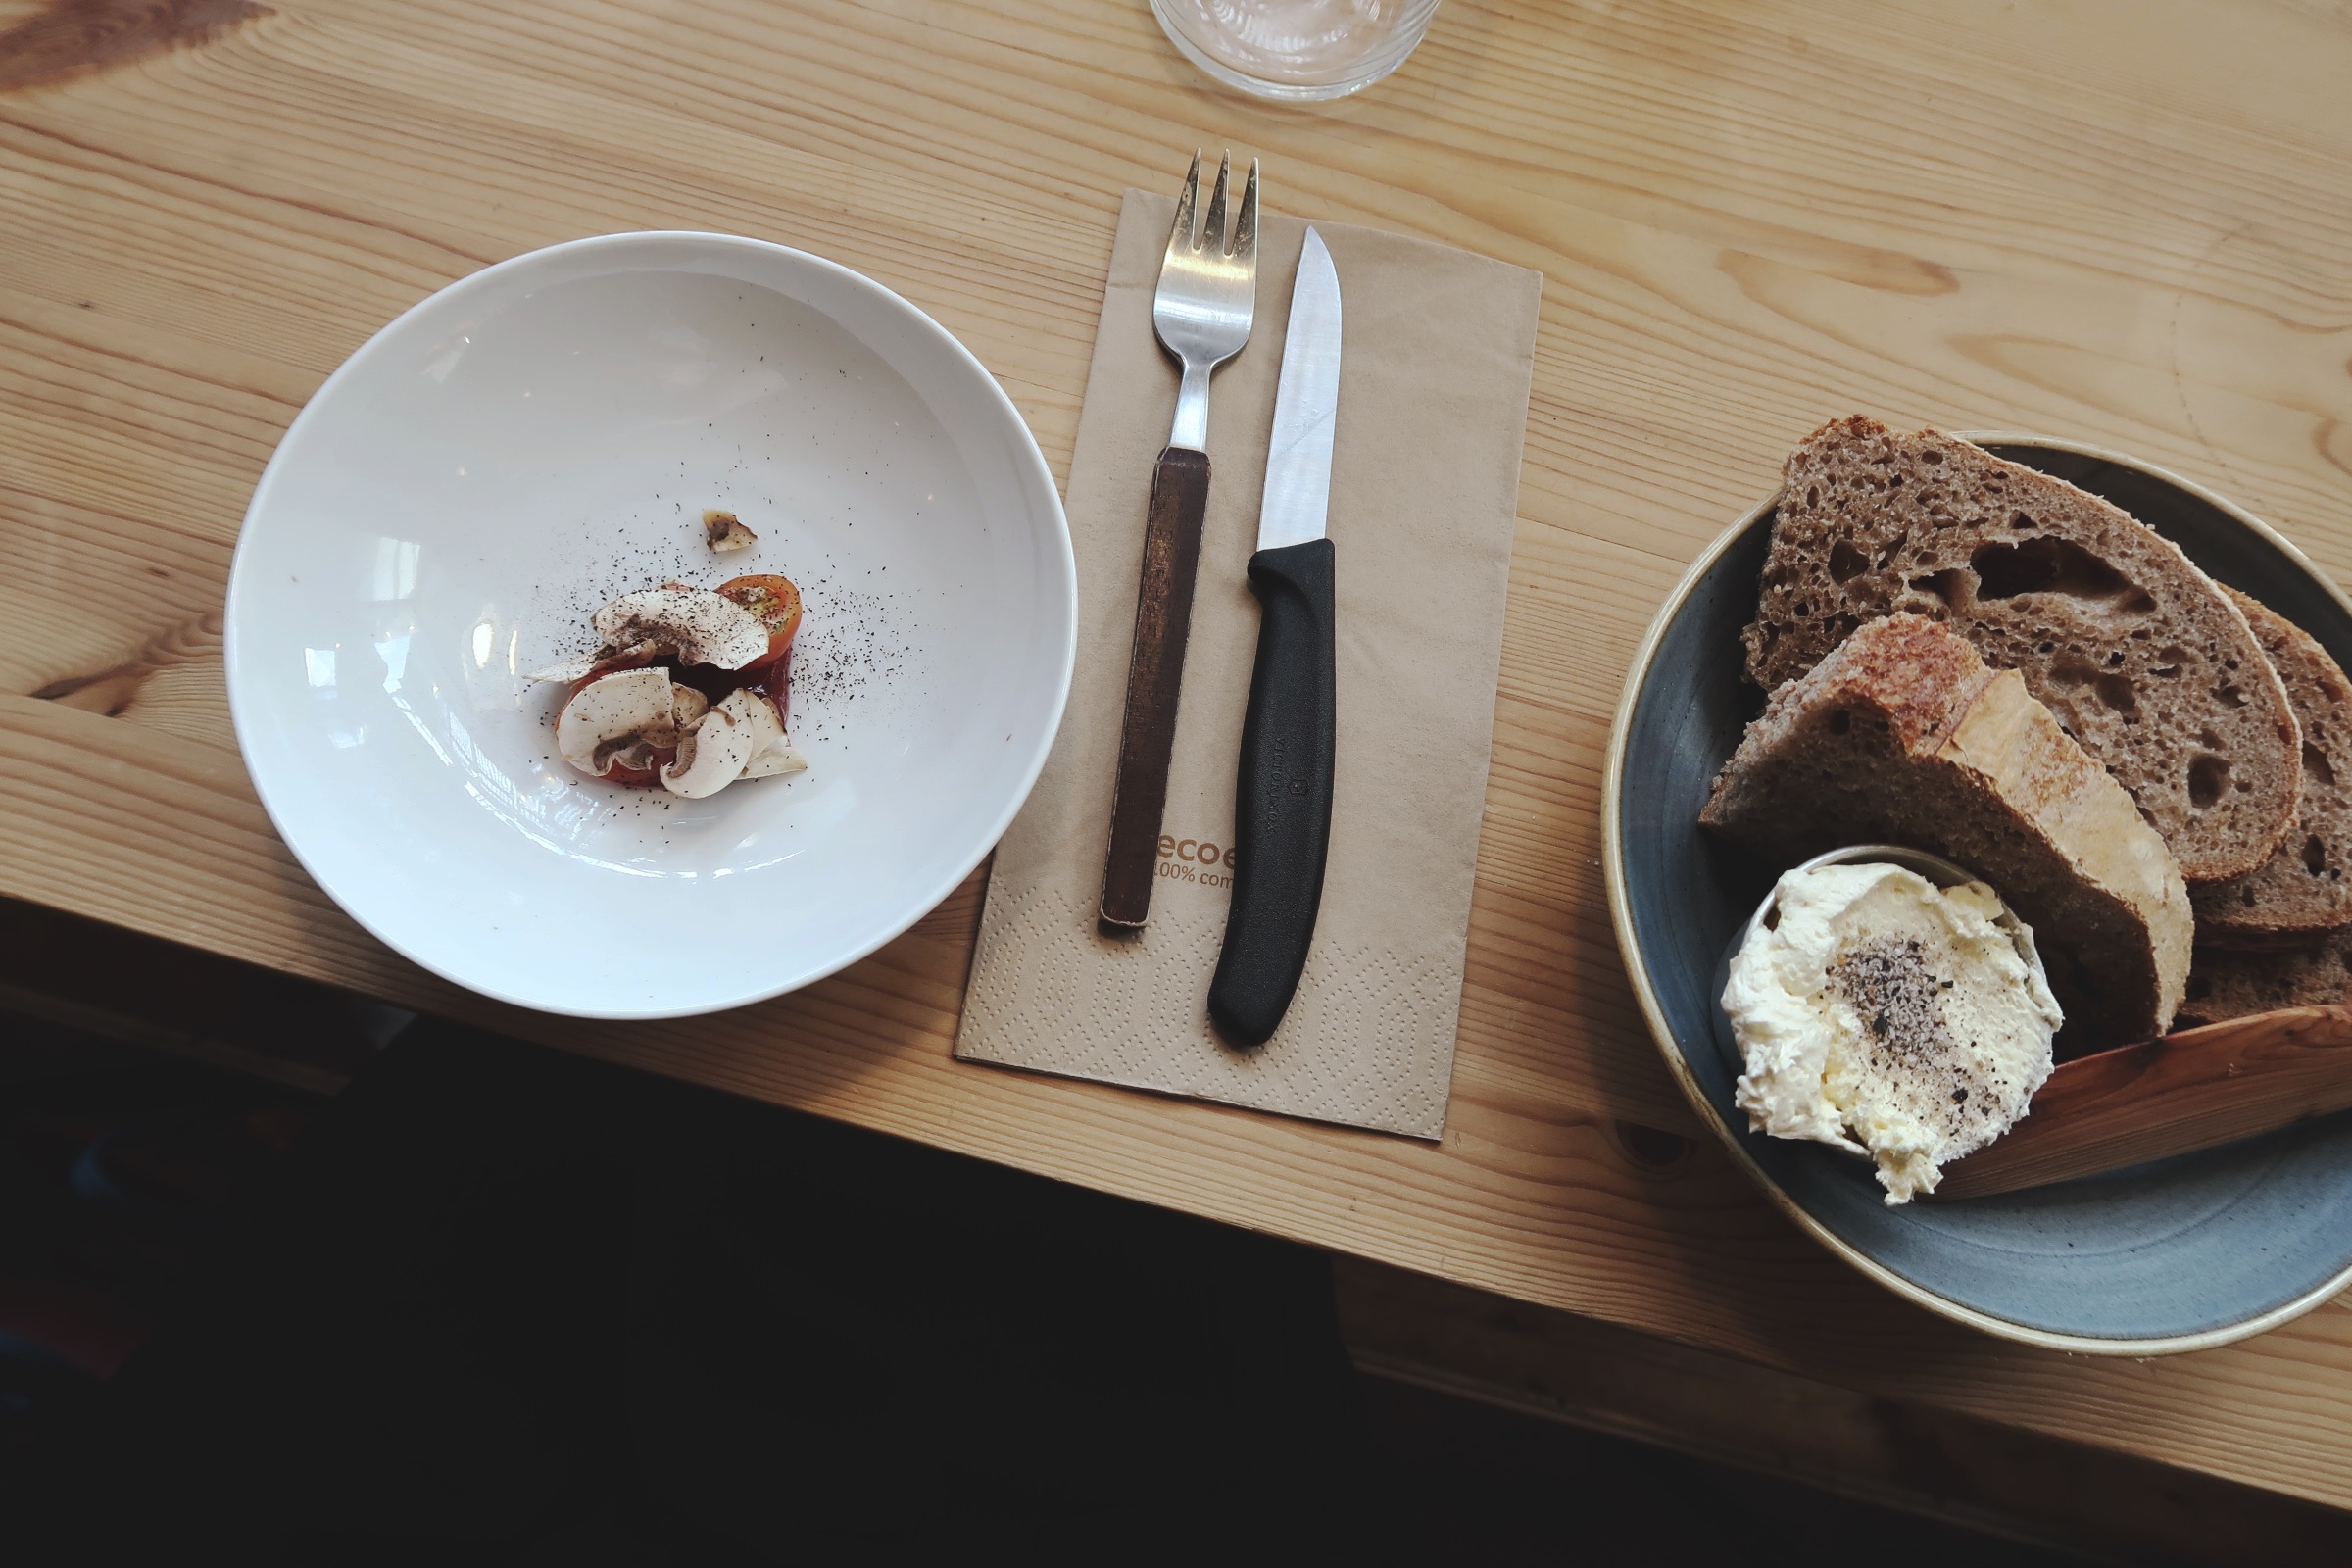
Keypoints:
(1207, 293)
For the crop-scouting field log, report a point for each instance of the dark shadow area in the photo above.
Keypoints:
(1506, 1486)
(492, 1304)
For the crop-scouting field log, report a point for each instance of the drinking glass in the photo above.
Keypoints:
(1300, 50)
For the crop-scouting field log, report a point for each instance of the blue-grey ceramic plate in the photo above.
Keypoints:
(2174, 1255)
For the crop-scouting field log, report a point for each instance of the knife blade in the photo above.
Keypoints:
(1283, 788)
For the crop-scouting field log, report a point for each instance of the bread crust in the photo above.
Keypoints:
(1904, 734)
(2304, 889)
(2141, 658)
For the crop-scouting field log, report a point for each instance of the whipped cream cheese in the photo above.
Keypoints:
(1891, 1017)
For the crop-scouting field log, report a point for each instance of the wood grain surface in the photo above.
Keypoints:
(1163, 628)
(2190, 1090)
(2123, 223)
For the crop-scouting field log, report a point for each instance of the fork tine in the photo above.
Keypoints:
(1182, 233)
(1212, 234)
(1245, 232)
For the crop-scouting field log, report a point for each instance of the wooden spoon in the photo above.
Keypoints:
(2190, 1090)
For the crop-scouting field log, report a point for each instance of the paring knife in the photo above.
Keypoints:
(1282, 796)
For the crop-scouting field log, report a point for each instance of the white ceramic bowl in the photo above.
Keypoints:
(545, 434)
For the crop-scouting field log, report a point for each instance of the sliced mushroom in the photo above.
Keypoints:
(712, 753)
(757, 712)
(566, 673)
(632, 752)
(769, 754)
(775, 759)
(619, 707)
(579, 669)
(726, 531)
(699, 626)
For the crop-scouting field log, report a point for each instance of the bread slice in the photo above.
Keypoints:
(1903, 734)
(2141, 657)
(2301, 890)
(2226, 984)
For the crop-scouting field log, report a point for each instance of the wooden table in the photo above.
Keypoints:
(2122, 221)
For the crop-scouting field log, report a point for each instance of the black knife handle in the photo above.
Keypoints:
(1282, 798)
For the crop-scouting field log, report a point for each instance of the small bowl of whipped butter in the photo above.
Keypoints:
(1884, 1001)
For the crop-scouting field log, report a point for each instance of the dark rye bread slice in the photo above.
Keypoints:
(2225, 984)
(2301, 890)
(2143, 660)
(1903, 734)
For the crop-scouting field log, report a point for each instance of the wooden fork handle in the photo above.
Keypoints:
(1164, 622)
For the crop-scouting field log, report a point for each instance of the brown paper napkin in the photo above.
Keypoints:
(1439, 347)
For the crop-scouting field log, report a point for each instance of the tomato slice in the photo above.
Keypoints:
(777, 604)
